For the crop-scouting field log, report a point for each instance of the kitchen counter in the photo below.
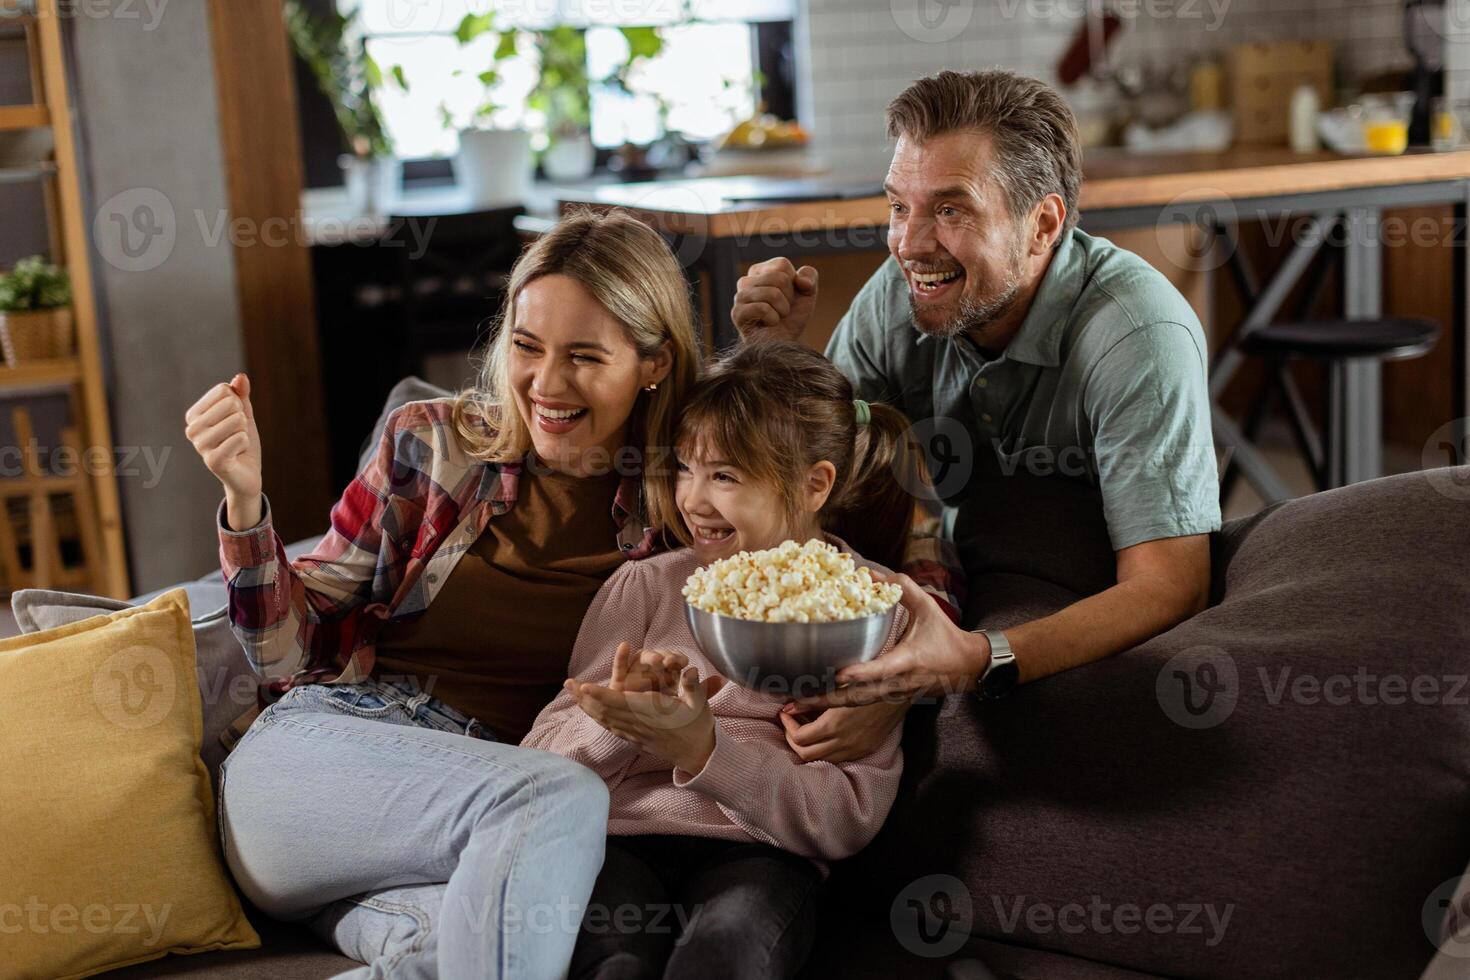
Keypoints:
(719, 226)
(721, 206)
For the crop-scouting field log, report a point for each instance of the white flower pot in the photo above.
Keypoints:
(494, 166)
(569, 158)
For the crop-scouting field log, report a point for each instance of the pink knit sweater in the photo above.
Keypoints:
(754, 787)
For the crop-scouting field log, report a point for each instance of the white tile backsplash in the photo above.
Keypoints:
(859, 54)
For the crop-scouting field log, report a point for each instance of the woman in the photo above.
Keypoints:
(382, 798)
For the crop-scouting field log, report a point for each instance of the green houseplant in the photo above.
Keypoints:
(562, 94)
(494, 162)
(35, 311)
(333, 47)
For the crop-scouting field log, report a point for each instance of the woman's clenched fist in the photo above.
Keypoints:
(221, 427)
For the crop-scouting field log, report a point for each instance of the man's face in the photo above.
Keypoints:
(949, 228)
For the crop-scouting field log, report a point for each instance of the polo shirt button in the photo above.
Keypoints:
(986, 418)
(981, 382)
(433, 577)
(627, 547)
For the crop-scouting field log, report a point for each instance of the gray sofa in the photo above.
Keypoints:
(1322, 798)
(1235, 798)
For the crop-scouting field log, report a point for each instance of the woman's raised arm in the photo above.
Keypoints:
(290, 616)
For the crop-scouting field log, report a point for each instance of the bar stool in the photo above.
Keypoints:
(1336, 343)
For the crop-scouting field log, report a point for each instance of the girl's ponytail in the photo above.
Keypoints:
(875, 507)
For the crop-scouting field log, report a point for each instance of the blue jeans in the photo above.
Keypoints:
(406, 836)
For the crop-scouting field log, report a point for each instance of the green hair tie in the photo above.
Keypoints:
(864, 412)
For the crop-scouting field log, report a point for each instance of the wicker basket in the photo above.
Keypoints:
(36, 335)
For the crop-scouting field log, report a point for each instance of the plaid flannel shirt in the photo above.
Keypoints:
(396, 534)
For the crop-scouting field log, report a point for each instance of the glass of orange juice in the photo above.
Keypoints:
(1386, 123)
(1447, 119)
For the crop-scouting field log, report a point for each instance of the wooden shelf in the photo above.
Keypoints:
(99, 509)
(94, 496)
(14, 117)
(27, 174)
(60, 370)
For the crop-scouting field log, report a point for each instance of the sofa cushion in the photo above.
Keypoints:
(903, 945)
(112, 856)
(1257, 792)
(227, 683)
(288, 951)
(410, 389)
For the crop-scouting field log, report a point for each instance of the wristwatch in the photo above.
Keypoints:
(1002, 673)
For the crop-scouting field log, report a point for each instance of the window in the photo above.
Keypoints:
(703, 81)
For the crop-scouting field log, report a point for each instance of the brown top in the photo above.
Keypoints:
(497, 638)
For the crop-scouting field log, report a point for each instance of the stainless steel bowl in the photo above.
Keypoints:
(787, 659)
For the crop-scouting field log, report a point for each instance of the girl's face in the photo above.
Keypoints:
(575, 375)
(727, 512)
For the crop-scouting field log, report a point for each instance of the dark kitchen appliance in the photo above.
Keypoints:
(1424, 35)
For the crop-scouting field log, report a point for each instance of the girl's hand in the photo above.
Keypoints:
(221, 427)
(842, 734)
(647, 670)
(679, 729)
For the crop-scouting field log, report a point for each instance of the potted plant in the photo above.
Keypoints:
(494, 163)
(561, 95)
(35, 311)
(336, 52)
(497, 160)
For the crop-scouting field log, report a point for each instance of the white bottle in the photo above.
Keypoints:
(1305, 107)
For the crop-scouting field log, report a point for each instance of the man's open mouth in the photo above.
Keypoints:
(933, 283)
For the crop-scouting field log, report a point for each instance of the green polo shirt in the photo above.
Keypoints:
(1105, 382)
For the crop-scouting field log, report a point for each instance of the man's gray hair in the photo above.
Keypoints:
(1034, 134)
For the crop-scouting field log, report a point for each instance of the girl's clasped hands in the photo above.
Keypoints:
(655, 700)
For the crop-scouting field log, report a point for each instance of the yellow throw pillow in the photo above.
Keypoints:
(110, 854)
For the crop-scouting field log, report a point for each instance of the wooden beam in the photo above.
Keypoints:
(262, 153)
(23, 117)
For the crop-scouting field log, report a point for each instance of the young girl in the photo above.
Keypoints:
(715, 822)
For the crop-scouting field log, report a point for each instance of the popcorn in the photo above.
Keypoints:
(791, 583)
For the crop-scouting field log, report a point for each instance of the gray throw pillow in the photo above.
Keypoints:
(410, 389)
(227, 683)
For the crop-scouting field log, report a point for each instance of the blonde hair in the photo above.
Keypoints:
(629, 269)
(777, 408)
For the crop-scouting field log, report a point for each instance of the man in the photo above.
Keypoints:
(996, 313)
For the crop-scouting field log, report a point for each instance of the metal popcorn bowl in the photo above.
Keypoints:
(788, 659)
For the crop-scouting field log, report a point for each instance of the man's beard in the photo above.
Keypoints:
(975, 314)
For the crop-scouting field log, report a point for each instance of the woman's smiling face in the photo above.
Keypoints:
(575, 375)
